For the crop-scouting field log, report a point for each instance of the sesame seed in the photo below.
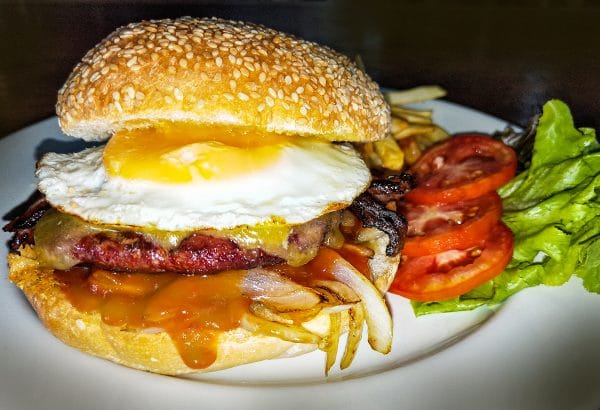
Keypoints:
(291, 70)
(178, 94)
(130, 91)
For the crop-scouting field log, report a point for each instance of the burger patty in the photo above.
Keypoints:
(197, 254)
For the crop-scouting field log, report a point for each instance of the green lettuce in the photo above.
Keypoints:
(553, 210)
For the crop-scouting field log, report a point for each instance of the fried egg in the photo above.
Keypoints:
(185, 181)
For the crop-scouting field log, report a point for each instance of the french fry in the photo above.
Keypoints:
(367, 151)
(412, 132)
(412, 116)
(390, 153)
(428, 139)
(414, 95)
(411, 150)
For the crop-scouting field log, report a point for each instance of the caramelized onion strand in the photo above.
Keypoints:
(291, 333)
(357, 319)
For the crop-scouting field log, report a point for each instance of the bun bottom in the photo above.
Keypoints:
(156, 352)
(153, 352)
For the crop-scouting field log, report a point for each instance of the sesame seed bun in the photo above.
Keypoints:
(213, 71)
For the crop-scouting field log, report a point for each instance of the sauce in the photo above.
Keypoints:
(193, 310)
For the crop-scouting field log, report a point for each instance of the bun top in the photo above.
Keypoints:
(214, 71)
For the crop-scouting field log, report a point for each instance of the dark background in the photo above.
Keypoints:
(503, 57)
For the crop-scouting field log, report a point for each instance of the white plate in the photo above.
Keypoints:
(540, 350)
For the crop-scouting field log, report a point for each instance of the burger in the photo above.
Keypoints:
(228, 219)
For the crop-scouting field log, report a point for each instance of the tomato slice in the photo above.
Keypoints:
(452, 273)
(441, 227)
(462, 167)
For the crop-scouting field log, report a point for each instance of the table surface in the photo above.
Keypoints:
(504, 57)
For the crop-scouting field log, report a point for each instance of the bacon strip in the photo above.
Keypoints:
(392, 188)
(24, 223)
(369, 208)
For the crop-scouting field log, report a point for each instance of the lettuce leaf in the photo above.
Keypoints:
(553, 209)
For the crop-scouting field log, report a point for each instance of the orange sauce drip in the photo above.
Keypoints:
(193, 310)
(360, 262)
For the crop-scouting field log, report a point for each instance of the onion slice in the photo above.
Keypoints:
(260, 310)
(291, 333)
(339, 289)
(277, 291)
(377, 315)
(357, 318)
(331, 341)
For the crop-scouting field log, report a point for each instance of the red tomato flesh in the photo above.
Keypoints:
(442, 227)
(453, 273)
(461, 168)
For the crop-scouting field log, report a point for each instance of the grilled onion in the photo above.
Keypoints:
(357, 318)
(331, 341)
(277, 292)
(377, 316)
(291, 333)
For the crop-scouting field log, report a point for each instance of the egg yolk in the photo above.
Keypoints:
(181, 153)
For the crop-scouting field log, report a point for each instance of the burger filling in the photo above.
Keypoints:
(271, 280)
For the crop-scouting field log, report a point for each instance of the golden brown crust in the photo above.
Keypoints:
(154, 352)
(214, 71)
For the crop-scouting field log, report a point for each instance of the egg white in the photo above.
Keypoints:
(306, 181)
